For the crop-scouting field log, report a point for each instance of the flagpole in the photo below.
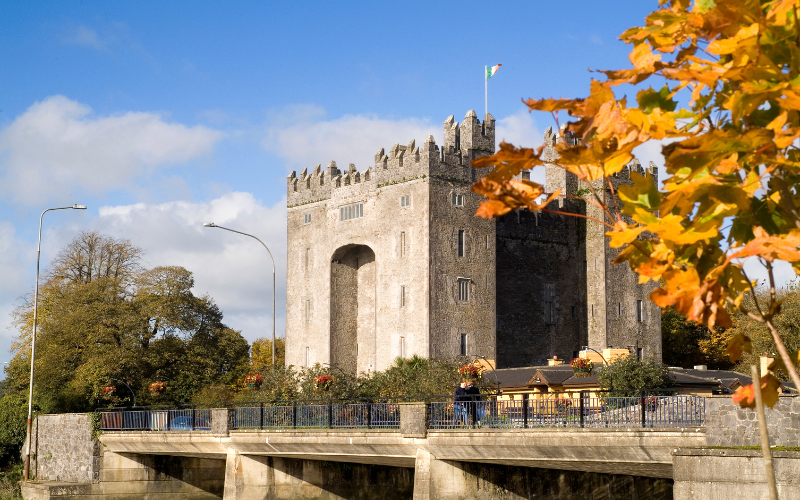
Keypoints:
(486, 88)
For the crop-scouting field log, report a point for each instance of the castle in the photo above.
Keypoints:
(392, 261)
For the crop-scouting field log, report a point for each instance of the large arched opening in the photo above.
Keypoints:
(353, 284)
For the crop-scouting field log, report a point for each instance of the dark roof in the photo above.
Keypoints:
(725, 378)
(580, 382)
(509, 377)
(551, 375)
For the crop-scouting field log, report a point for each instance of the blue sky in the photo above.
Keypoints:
(162, 115)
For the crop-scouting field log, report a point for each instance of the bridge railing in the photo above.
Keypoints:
(566, 409)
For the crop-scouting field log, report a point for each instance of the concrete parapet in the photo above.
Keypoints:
(414, 419)
(733, 474)
(223, 420)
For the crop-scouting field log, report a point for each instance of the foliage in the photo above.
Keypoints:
(10, 483)
(323, 382)
(686, 343)
(731, 155)
(630, 374)
(582, 364)
(104, 318)
(261, 353)
(13, 423)
(95, 422)
(469, 371)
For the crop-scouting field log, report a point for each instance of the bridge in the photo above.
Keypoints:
(362, 449)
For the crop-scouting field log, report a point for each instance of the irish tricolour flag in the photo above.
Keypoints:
(490, 71)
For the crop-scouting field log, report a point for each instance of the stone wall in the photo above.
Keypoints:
(63, 449)
(729, 425)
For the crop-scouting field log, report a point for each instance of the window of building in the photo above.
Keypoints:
(402, 347)
(463, 346)
(308, 310)
(639, 311)
(640, 353)
(402, 244)
(458, 200)
(593, 310)
(307, 219)
(574, 313)
(402, 295)
(526, 175)
(487, 241)
(549, 316)
(405, 201)
(351, 212)
(463, 289)
(307, 359)
(460, 242)
(619, 309)
(308, 258)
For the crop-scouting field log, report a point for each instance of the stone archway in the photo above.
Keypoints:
(352, 316)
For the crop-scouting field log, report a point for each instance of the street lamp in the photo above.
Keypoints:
(211, 224)
(33, 334)
(610, 375)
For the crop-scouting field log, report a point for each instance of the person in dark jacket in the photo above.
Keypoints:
(473, 395)
(459, 403)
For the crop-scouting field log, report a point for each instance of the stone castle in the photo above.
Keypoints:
(391, 261)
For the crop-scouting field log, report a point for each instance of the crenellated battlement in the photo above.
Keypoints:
(462, 143)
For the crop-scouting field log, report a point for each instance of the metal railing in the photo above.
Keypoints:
(190, 419)
(597, 409)
(564, 410)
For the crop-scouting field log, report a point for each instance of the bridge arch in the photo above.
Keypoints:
(353, 308)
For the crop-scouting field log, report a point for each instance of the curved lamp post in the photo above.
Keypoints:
(211, 224)
(610, 375)
(129, 388)
(33, 333)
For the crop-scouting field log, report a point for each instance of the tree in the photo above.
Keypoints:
(729, 111)
(103, 318)
(261, 353)
(631, 374)
(686, 343)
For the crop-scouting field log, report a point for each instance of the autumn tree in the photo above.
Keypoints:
(726, 106)
(105, 320)
(686, 343)
(261, 353)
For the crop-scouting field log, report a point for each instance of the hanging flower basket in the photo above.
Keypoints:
(470, 372)
(582, 367)
(108, 391)
(253, 381)
(157, 388)
(323, 382)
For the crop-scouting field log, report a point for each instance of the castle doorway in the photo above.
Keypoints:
(353, 309)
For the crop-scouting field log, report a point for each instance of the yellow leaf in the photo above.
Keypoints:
(622, 234)
(738, 344)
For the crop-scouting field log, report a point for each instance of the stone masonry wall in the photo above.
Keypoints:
(729, 425)
(63, 449)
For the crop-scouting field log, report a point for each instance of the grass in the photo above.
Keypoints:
(9, 483)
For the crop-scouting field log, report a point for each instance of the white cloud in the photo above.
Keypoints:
(12, 284)
(233, 269)
(57, 147)
(304, 138)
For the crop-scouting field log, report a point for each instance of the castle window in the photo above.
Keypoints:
(593, 310)
(405, 201)
(463, 346)
(307, 359)
(402, 347)
(458, 200)
(307, 219)
(573, 315)
(549, 317)
(308, 310)
(487, 241)
(619, 310)
(402, 243)
(402, 295)
(463, 289)
(308, 258)
(639, 311)
(640, 353)
(460, 242)
(526, 175)
(351, 212)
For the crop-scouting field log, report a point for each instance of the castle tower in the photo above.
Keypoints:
(391, 261)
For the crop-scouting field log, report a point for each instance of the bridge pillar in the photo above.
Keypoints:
(247, 477)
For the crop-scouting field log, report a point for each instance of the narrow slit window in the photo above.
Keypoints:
(460, 242)
(405, 200)
(463, 346)
(402, 295)
(308, 258)
(402, 244)
(639, 311)
(307, 219)
(463, 289)
(308, 356)
(308, 310)
(402, 347)
(619, 309)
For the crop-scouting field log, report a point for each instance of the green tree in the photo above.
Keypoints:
(102, 317)
(631, 374)
(686, 343)
(13, 420)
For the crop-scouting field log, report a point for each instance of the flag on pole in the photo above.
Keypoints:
(490, 71)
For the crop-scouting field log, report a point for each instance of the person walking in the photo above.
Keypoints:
(473, 395)
(459, 403)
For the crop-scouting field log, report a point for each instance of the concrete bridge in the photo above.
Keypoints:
(412, 461)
